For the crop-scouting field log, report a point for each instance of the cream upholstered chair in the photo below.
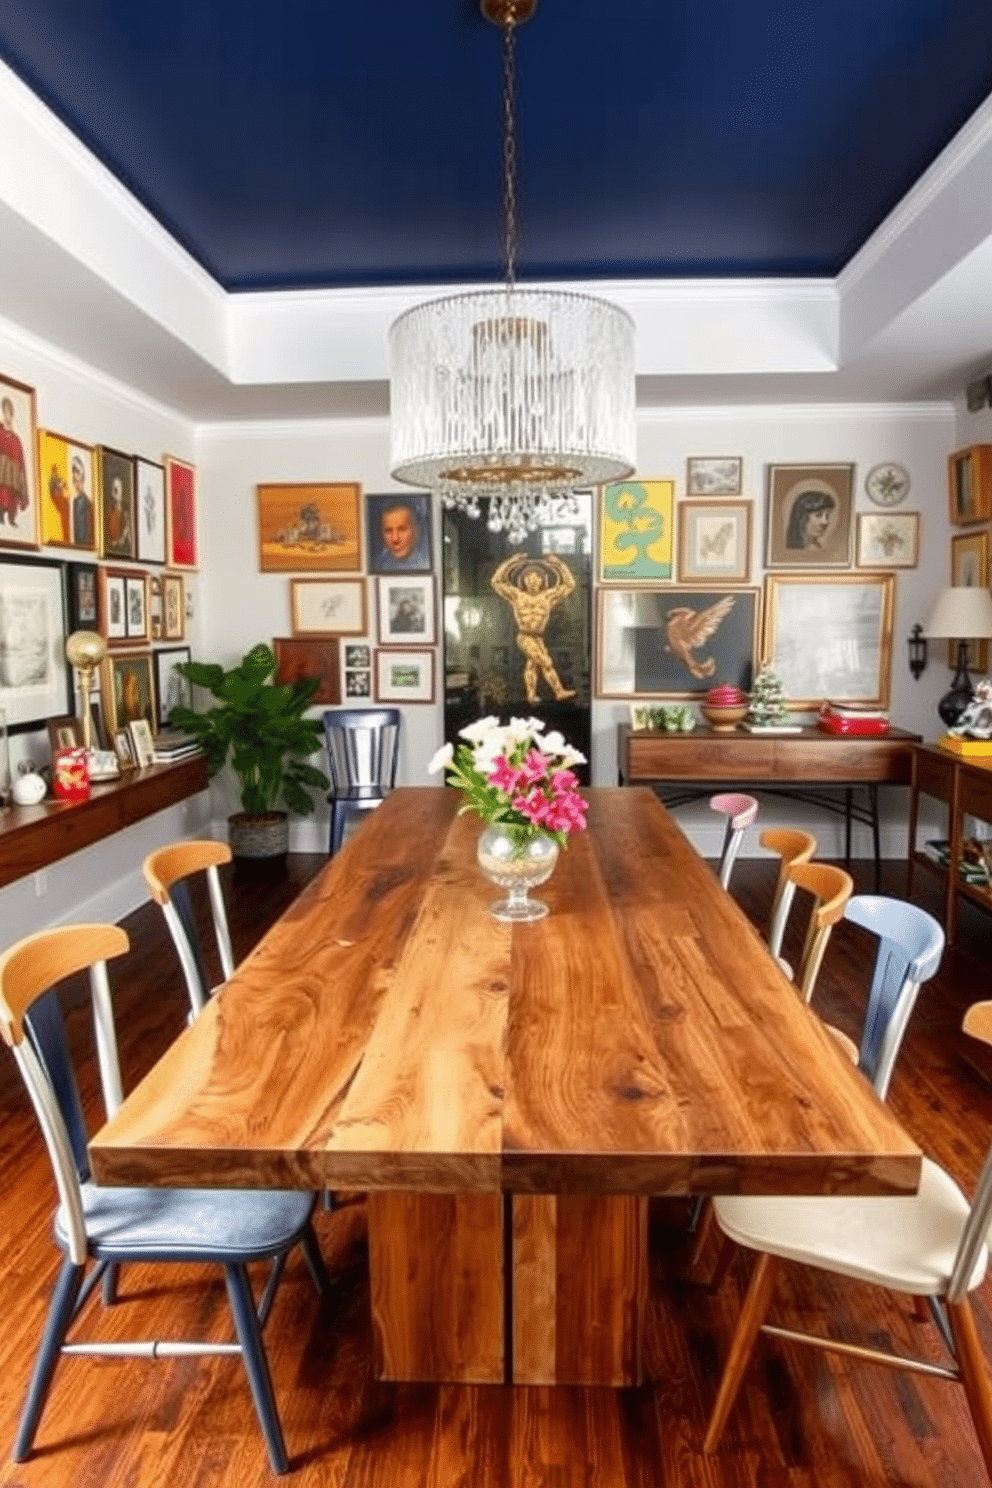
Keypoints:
(930, 1245)
(792, 847)
(166, 871)
(740, 812)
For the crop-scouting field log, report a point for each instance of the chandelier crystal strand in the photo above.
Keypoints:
(511, 396)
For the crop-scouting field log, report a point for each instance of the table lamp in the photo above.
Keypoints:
(960, 614)
(85, 649)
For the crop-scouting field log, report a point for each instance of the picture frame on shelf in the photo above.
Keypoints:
(714, 542)
(309, 526)
(809, 516)
(829, 637)
(171, 689)
(406, 610)
(82, 596)
(404, 676)
(20, 520)
(115, 484)
(149, 499)
(714, 475)
(969, 485)
(675, 642)
(399, 533)
(636, 532)
(888, 539)
(300, 657)
(325, 607)
(141, 742)
(173, 607)
(124, 749)
(36, 679)
(64, 733)
(68, 510)
(181, 540)
(970, 569)
(127, 689)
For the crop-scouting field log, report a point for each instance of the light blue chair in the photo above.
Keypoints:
(110, 1226)
(363, 746)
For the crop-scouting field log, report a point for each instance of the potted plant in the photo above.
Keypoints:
(260, 727)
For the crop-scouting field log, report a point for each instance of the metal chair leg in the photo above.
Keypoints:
(256, 1364)
(315, 1261)
(110, 1279)
(60, 1315)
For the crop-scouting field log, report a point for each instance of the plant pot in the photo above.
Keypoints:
(262, 836)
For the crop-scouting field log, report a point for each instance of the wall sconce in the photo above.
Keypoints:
(917, 651)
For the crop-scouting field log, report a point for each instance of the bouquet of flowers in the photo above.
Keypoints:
(516, 776)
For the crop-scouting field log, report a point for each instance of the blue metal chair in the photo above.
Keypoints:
(110, 1226)
(363, 747)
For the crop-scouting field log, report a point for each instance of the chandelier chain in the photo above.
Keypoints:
(509, 154)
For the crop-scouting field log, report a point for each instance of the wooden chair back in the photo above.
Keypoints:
(792, 846)
(166, 871)
(830, 888)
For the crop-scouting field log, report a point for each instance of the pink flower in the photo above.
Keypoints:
(564, 780)
(504, 776)
(534, 767)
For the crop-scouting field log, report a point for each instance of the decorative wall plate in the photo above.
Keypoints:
(888, 484)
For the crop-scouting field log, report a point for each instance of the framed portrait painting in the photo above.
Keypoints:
(18, 477)
(128, 690)
(636, 529)
(398, 534)
(714, 475)
(82, 597)
(675, 642)
(66, 491)
(173, 607)
(298, 659)
(406, 610)
(180, 513)
(327, 607)
(35, 679)
(404, 676)
(309, 526)
(888, 539)
(714, 542)
(149, 501)
(116, 509)
(809, 516)
(829, 637)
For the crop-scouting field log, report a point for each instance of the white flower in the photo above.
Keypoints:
(476, 732)
(442, 759)
(570, 756)
(488, 751)
(554, 743)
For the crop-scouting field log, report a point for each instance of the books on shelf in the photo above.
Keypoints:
(938, 850)
(170, 746)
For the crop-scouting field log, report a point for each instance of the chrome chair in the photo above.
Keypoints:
(363, 752)
(109, 1226)
(166, 871)
(740, 812)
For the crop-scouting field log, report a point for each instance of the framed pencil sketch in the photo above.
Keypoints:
(809, 516)
(137, 608)
(82, 597)
(309, 527)
(970, 570)
(398, 533)
(300, 658)
(714, 542)
(66, 491)
(128, 690)
(18, 476)
(636, 531)
(173, 607)
(321, 607)
(149, 489)
(888, 539)
(406, 610)
(115, 515)
(829, 637)
(171, 689)
(714, 475)
(35, 679)
(404, 676)
(675, 642)
(180, 513)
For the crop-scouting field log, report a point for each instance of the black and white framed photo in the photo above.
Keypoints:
(149, 502)
(171, 689)
(35, 678)
(82, 597)
(404, 676)
(136, 590)
(406, 610)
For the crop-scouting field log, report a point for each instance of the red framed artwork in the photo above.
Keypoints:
(180, 486)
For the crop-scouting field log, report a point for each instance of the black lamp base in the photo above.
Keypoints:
(954, 702)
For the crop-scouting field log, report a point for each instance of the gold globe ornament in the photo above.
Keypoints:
(85, 650)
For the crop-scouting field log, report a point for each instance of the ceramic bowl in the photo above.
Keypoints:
(724, 719)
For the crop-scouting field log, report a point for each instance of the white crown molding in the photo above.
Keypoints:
(795, 413)
(263, 429)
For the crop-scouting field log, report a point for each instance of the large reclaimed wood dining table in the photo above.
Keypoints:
(509, 1096)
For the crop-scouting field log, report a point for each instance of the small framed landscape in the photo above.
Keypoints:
(324, 607)
(714, 475)
(675, 642)
(406, 610)
(714, 542)
(829, 637)
(35, 680)
(888, 539)
(809, 516)
(404, 676)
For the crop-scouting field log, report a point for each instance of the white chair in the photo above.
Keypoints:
(740, 812)
(166, 871)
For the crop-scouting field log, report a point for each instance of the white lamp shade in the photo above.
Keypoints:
(961, 614)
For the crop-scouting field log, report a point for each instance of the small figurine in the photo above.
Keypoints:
(976, 720)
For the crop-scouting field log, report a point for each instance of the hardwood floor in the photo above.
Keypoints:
(802, 1418)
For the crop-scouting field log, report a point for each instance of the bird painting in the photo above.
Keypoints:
(688, 630)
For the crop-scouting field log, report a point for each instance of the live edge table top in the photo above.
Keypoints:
(388, 1033)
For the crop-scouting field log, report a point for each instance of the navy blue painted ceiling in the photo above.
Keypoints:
(290, 143)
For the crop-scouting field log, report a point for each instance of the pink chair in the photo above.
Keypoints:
(740, 812)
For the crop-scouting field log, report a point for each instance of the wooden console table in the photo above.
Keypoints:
(966, 787)
(686, 767)
(32, 837)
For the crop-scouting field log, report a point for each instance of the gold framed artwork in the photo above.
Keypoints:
(181, 542)
(714, 475)
(18, 475)
(124, 607)
(173, 607)
(714, 542)
(969, 485)
(308, 526)
(888, 539)
(322, 607)
(636, 531)
(970, 570)
(829, 637)
(677, 643)
(809, 516)
(115, 487)
(66, 492)
(127, 690)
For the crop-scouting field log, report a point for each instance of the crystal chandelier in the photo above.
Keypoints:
(511, 396)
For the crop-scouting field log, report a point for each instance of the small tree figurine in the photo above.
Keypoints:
(767, 708)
